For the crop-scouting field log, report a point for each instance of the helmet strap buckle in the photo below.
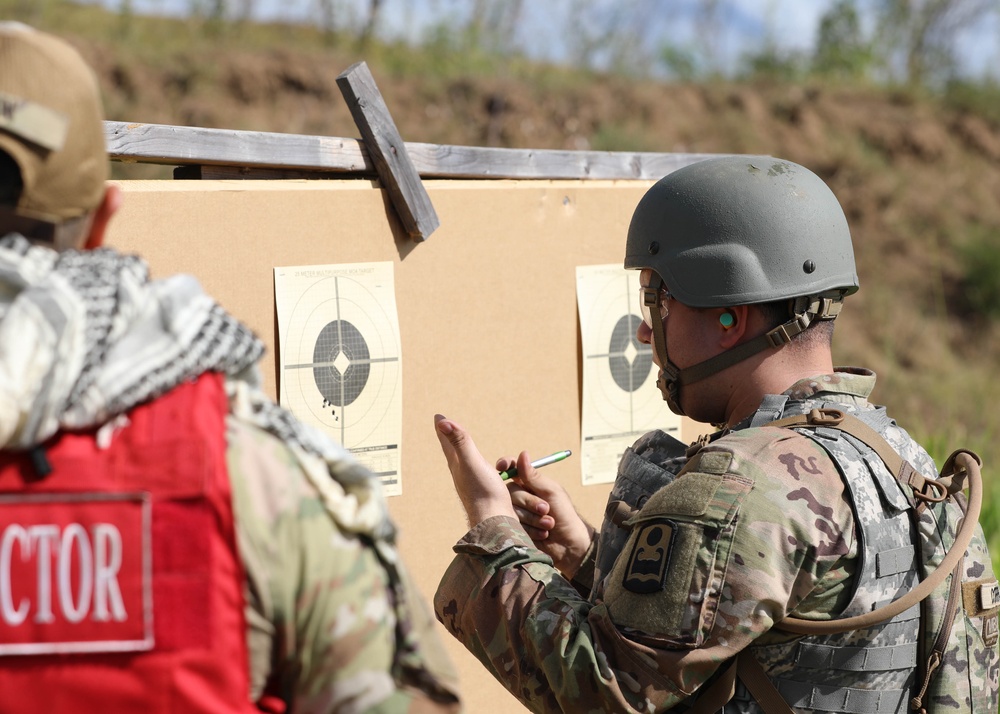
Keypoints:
(826, 306)
(783, 334)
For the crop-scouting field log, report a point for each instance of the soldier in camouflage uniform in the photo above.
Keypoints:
(333, 621)
(724, 572)
(316, 611)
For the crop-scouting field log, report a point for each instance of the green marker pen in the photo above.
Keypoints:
(544, 461)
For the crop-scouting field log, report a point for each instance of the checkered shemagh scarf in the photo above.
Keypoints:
(85, 336)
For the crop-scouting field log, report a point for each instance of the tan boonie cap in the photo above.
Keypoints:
(51, 123)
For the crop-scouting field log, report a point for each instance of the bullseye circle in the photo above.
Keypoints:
(341, 363)
(629, 374)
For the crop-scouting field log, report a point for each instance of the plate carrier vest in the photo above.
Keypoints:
(878, 662)
(121, 589)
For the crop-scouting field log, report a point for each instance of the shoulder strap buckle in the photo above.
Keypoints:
(826, 417)
(698, 444)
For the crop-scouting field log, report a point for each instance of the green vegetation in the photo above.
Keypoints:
(980, 98)
(941, 446)
(841, 50)
(981, 257)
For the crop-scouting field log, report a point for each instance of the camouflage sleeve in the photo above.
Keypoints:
(321, 627)
(754, 528)
(583, 580)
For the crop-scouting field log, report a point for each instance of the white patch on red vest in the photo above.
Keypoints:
(75, 573)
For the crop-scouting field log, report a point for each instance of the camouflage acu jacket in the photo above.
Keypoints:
(328, 629)
(757, 527)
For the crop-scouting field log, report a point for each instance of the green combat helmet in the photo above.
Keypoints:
(739, 230)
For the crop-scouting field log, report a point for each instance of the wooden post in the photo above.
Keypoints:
(387, 151)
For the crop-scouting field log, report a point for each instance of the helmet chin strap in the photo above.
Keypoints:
(669, 381)
(806, 310)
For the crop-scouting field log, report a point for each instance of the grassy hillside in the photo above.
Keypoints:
(918, 174)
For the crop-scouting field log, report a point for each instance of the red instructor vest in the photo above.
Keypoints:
(120, 585)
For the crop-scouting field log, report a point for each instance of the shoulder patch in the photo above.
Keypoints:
(980, 596)
(647, 564)
(990, 632)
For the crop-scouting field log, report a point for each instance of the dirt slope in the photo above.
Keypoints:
(918, 181)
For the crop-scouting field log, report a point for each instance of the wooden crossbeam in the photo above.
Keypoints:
(314, 155)
(182, 145)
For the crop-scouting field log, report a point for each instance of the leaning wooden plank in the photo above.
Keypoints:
(180, 146)
(385, 146)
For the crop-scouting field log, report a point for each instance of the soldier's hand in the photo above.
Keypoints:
(548, 515)
(480, 488)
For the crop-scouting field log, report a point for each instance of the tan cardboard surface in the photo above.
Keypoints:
(487, 313)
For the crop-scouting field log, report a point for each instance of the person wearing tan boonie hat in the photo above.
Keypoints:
(145, 562)
(51, 128)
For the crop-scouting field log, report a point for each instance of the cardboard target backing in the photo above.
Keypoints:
(487, 309)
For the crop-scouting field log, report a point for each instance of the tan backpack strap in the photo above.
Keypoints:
(963, 463)
(748, 669)
(929, 668)
(718, 693)
(754, 678)
(923, 489)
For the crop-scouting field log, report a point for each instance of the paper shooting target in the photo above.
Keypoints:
(341, 360)
(623, 366)
(620, 400)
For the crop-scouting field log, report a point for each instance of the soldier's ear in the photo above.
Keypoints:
(732, 325)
